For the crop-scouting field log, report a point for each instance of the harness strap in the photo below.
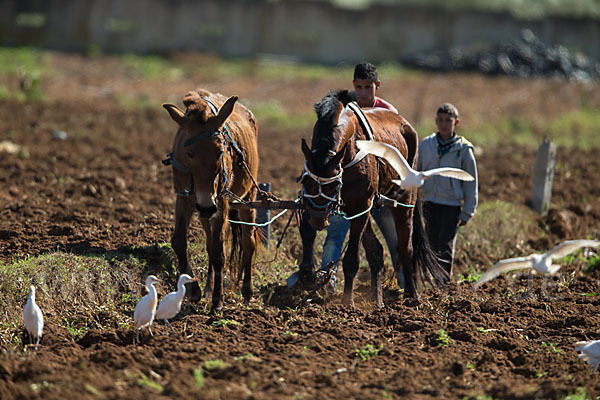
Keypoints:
(364, 123)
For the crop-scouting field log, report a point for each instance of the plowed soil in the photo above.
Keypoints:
(104, 187)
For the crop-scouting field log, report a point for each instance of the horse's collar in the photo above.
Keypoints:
(364, 123)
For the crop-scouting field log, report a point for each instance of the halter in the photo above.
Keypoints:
(323, 210)
(320, 182)
(171, 160)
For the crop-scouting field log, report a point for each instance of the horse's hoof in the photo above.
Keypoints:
(215, 309)
(195, 293)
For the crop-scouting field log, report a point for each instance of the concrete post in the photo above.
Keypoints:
(263, 215)
(543, 174)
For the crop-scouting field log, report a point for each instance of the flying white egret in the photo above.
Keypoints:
(143, 316)
(541, 263)
(590, 352)
(409, 178)
(170, 305)
(33, 318)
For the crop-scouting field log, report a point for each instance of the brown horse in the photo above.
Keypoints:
(336, 177)
(214, 158)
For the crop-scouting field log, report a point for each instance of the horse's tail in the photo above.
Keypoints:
(235, 255)
(425, 261)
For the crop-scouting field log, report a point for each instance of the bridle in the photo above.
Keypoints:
(323, 210)
(333, 203)
(171, 160)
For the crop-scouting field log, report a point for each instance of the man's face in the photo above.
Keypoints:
(446, 124)
(366, 91)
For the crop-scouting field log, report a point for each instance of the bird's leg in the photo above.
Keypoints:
(37, 342)
(137, 336)
(30, 338)
(150, 330)
(171, 326)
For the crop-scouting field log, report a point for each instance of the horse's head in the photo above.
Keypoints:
(322, 177)
(202, 148)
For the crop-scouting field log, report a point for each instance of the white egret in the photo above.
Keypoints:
(33, 318)
(143, 316)
(409, 178)
(170, 305)
(541, 263)
(590, 352)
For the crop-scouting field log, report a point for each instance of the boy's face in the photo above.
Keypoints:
(366, 91)
(446, 124)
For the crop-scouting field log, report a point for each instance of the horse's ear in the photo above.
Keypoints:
(226, 109)
(306, 150)
(335, 160)
(176, 114)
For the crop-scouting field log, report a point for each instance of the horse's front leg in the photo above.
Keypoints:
(357, 227)
(248, 252)
(307, 265)
(184, 209)
(374, 252)
(216, 256)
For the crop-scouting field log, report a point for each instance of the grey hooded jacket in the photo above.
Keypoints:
(449, 191)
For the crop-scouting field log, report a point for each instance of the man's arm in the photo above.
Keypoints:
(469, 188)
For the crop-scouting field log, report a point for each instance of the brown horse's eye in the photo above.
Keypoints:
(189, 154)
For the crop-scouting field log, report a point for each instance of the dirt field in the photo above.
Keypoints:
(104, 188)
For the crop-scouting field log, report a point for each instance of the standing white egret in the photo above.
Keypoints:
(541, 263)
(170, 305)
(33, 318)
(409, 178)
(590, 352)
(143, 316)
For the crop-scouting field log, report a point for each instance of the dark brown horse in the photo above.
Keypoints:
(334, 177)
(214, 158)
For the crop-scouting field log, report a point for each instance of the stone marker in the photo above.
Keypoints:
(543, 174)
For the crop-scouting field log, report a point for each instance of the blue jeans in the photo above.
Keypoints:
(338, 228)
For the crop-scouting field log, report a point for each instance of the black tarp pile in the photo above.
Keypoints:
(525, 58)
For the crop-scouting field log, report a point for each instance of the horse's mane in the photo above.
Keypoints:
(194, 104)
(327, 116)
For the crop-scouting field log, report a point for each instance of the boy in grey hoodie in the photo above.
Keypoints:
(449, 203)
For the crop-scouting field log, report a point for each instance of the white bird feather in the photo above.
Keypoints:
(409, 178)
(33, 318)
(170, 305)
(145, 310)
(541, 263)
(590, 352)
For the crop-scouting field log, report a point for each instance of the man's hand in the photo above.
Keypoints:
(462, 222)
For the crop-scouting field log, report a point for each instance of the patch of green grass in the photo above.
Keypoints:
(471, 276)
(107, 284)
(289, 333)
(145, 381)
(223, 322)
(211, 365)
(496, 227)
(367, 351)
(92, 389)
(551, 347)
(244, 357)
(199, 378)
(152, 67)
(579, 394)
(443, 339)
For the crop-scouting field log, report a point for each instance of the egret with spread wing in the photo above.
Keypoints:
(409, 178)
(590, 352)
(541, 263)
